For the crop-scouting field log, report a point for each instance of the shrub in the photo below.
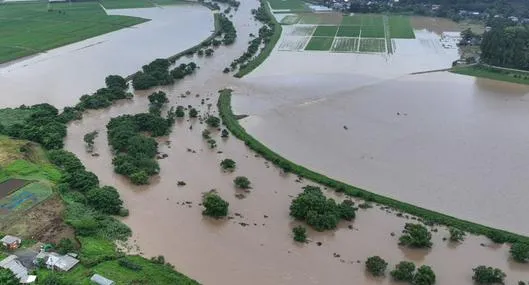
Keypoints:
(65, 246)
(224, 133)
(403, 271)
(376, 265)
(214, 205)
(228, 164)
(193, 113)
(300, 234)
(488, 275)
(241, 182)
(213, 121)
(124, 262)
(456, 235)
(89, 140)
(520, 252)
(415, 235)
(105, 199)
(139, 178)
(318, 211)
(424, 276)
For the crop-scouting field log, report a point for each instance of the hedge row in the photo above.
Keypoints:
(230, 120)
(265, 52)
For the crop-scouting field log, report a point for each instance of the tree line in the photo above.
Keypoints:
(506, 46)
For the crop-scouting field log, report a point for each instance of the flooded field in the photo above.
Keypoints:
(298, 105)
(60, 76)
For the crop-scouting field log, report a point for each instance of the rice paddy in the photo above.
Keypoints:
(366, 33)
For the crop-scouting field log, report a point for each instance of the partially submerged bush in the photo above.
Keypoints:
(415, 235)
(376, 265)
(214, 205)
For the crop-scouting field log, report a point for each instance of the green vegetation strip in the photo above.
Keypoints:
(494, 73)
(230, 120)
(265, 52)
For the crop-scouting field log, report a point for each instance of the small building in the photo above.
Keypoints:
(100, 280)
(21, 272)
(11, 242)
(55, 261)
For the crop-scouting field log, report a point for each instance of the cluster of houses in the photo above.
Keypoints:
(51, 260)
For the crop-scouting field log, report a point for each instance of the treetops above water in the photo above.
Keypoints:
(318, 211)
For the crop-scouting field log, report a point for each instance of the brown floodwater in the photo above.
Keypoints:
(256, 245)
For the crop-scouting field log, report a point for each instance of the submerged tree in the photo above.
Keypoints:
(376, 265)
(520, 252)
(89, 140)
(228, 164)
(424, 276)
(214, 205)
(415, 235)
(300, 234)
(403, 271)
(242, 182)
(456, 235)
(488, 275)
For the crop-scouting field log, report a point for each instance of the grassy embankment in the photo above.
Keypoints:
(512, 76)
(267, 49)
(29, 28)
(230, 120)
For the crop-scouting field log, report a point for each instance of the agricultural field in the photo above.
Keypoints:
(29, 28)
(292, 5)
(290, 20)
(325, 31)
(372, 45)
(320, 43)
(371, 33)
(293, 43)
(345, 45)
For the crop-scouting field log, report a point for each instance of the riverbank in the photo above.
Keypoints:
(494, 73)
(269, 46)
(430, 217)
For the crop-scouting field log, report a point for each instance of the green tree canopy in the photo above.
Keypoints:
(376, 265)
(7, 277)
(488, 275)
(105, 199)
(242, 182)
(300, 233)
(415, 235)
(403, 271)
(424, 276)
(520, 252)
(214, 205)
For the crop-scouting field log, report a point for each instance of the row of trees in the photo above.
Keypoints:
(227, 30)
(319, 212)
(116, 89)
(136, 152)
(506, 46)
(157, 73)
(83, 187)
(265, 33)
(403, 272)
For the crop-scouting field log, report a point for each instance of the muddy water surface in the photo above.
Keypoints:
(255, 245)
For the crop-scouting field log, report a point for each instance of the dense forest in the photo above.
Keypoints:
(444, 8)
(506, 46)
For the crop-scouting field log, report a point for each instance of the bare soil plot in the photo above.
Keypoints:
(345, 44)
(310, 18)
(11, 185)
(325, 31)
(320, 43)
(372, 45)
(290, 19)
(293, 43)
(302, 31)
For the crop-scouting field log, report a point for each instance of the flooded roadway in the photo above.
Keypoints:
(167, 220)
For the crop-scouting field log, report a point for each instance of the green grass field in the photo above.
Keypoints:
(293, 5)
(348, 31)
(29, 28)
(400, 28)
(320, 43)
(325, 31)
(493, 73)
